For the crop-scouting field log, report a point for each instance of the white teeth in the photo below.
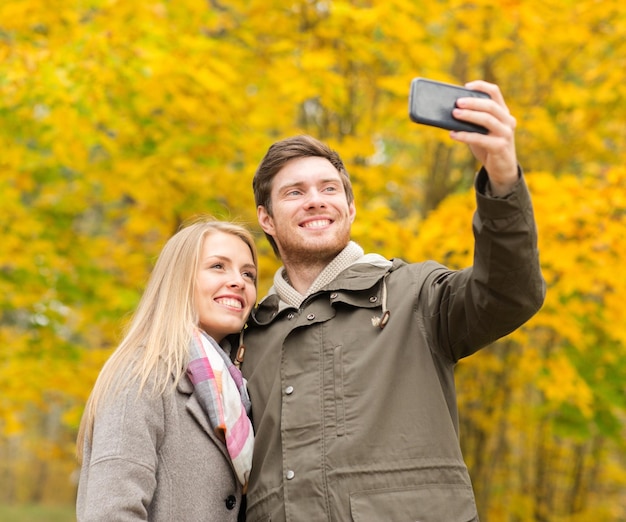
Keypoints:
(318, 223)
(233, 303)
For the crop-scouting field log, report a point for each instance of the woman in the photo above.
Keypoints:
(165, 434)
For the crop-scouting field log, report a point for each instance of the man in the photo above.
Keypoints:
(350, 357)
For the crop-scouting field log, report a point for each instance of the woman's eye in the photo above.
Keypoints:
(217, 266)
(250, 275)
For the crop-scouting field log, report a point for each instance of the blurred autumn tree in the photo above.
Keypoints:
(119, 120)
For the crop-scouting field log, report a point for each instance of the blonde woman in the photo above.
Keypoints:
(165, 434)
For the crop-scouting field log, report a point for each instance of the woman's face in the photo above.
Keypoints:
(225, 285)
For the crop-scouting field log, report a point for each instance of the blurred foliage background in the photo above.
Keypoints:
(120, 119)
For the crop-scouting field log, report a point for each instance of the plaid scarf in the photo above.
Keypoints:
(221, 391)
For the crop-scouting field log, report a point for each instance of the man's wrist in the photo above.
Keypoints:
(486, 187)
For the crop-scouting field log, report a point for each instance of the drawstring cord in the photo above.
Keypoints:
(241, 351)
(382, 321)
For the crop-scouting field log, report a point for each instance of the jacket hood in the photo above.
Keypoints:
(361, 276)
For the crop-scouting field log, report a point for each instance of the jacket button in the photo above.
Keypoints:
(290, 474)
(290, 315)
(334, 295)
(289, 390)
(230, 501)
(373, 299)
(310, 317)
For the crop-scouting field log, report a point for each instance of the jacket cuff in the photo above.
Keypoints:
(500, 207)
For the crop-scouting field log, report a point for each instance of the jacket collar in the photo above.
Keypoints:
(364, 274)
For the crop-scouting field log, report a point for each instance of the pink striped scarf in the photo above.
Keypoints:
(221, 391)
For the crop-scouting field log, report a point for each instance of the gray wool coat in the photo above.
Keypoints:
(156, 458)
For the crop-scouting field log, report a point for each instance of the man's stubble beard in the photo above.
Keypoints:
(302, 256)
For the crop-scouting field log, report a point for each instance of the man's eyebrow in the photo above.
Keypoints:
(292, 184)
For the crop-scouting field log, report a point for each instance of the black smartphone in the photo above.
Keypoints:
(432, 102)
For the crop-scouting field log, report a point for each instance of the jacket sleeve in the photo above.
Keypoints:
(118, 475)
(504, 287)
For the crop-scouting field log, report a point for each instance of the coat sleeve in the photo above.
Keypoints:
(504, 287)
(118, 474)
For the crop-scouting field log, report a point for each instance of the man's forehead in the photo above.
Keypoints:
(307, 168)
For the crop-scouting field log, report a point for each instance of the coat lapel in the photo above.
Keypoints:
(195, 409)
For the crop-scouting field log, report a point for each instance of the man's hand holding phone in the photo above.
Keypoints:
(476, 115)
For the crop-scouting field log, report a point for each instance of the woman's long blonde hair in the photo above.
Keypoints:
(155, 344)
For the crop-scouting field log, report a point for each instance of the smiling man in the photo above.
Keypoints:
(311, 217)
(350, 358)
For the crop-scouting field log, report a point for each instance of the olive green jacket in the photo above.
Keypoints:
(358, 422)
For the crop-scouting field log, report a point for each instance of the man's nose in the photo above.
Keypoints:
(314, 199)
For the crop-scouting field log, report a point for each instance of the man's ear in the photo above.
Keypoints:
(352, 211)
(265, 220)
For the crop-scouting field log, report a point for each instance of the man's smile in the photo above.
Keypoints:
(316, 223)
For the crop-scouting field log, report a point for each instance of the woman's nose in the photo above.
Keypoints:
(237, 281)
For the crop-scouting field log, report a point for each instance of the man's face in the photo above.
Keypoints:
(311, 217)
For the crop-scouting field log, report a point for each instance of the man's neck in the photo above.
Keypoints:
(301, 275)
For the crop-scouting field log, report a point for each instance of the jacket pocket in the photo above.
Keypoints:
(426, 503)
